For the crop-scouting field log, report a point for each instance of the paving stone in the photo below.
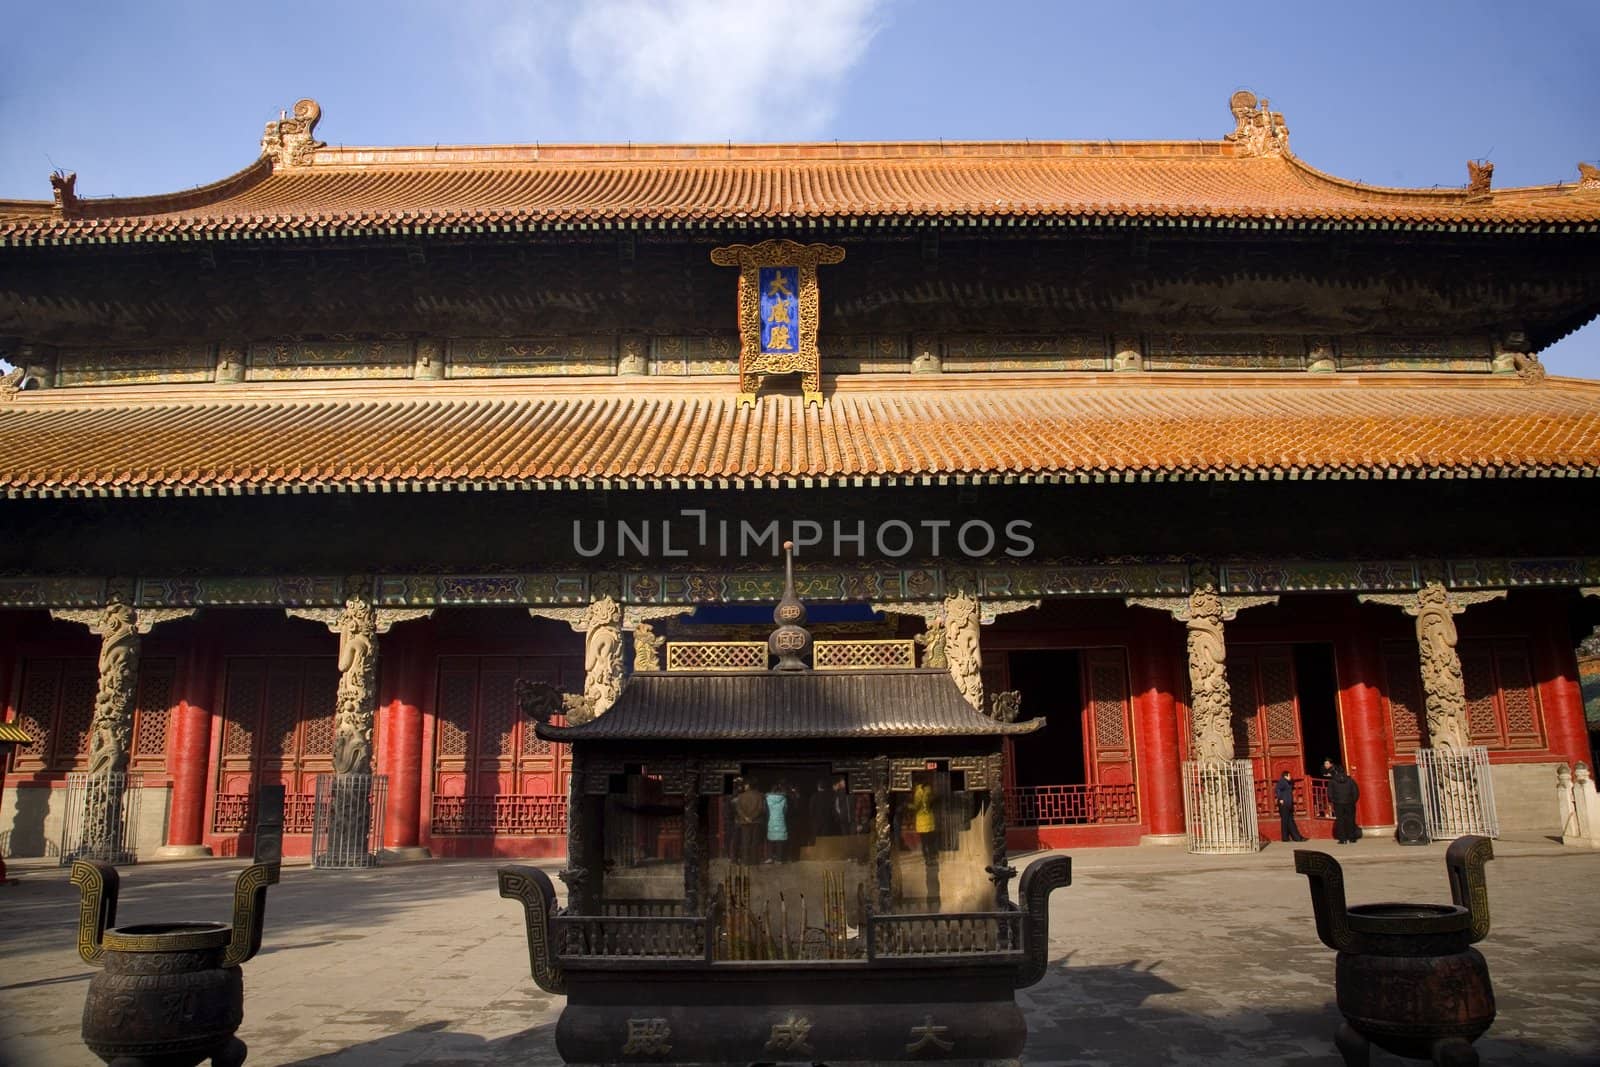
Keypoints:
(1158, 958)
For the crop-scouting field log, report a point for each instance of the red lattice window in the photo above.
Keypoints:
(1403, 694)
(486, 755)
(278, 727)
(56, 707)
(1503, 710)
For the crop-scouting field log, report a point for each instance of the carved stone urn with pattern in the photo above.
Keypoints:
(1407, 978)
(169, 994)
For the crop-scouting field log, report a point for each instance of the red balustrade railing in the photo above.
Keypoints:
(1071, 805)
(516, 816)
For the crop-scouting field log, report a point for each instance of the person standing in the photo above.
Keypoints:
(1283, 789)
(1343, 794)
(778, 823)
(749, 815)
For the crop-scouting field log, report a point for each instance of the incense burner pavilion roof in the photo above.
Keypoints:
(792, 705)
(303, 188)
(870, 429)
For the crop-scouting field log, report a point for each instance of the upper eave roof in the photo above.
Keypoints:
(312, 190)
(622, 432)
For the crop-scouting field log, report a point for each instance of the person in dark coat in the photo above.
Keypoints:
(1343, 794)
(1283, 789)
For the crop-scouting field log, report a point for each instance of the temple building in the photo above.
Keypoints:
(1187, 448)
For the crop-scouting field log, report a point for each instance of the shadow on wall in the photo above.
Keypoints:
(25, 836)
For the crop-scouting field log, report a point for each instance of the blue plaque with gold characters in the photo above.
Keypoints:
(779, 308)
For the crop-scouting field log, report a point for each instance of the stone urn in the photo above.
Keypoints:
(1407, 978)
(169, 994)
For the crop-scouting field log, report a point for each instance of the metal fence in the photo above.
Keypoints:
(1219, 806)
(347, 821)
(102, 817)
(1457, 792)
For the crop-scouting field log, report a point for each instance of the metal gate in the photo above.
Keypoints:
(1457, 792)
(347, 821)
(1219, 806)
(102, 817)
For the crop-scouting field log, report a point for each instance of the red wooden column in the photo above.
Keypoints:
(1556, 665)
(403, 666)
(1155, 661)
(189, 750)
(1363, 724)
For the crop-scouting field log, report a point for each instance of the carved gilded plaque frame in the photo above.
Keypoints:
(754, 362)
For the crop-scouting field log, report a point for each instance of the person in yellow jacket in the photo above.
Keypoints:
(923, 820)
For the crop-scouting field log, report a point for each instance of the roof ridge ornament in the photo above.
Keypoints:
(290, 142)
(1588, 175)
(791, 639)
(64, 191)
(1480, 175)
(1258, 130)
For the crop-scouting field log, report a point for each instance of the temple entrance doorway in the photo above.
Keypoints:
(1286, 718)
(1079, 769)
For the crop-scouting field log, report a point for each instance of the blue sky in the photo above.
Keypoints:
(158, 95)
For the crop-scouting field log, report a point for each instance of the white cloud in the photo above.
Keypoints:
(648, 70)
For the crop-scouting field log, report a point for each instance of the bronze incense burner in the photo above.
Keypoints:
(169, 994)
(1406, 977)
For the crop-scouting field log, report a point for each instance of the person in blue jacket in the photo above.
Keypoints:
(1283, 789)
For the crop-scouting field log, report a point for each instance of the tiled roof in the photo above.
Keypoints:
(13, 733)
(782, 705)
(620, 431)
(509, 189)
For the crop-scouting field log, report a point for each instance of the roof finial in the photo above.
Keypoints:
(1480, 173)
(290, 142)
(1258, 130)
(64, 189)
(1588, 176)
(790, 641)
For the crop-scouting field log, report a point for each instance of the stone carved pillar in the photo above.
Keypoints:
(601, 625)
(358, 625)
(1444, 692)
(119, 627)
(1210, 700)
(961, 647)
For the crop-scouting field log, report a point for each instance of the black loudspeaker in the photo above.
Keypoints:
(269, 824)
(1410, 820)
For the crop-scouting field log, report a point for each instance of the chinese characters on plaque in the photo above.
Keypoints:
(779, 309)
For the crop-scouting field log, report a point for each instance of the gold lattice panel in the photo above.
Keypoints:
(716, 655)
(863, 655)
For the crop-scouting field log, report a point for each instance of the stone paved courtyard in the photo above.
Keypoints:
(1158, 958)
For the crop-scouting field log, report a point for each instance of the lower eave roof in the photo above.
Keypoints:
(620, 432)
(788, 706)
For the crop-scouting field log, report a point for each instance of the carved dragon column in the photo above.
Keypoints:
(1444, 691)
(1203, 613)
(358, 625)
(119, 626)
(601, 624)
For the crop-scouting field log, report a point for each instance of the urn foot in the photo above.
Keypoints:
(1356, 1050)
(1454, 1052)
(232, 1054)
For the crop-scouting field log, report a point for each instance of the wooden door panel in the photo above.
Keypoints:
(1108, 728)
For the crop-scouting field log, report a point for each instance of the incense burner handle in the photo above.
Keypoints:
(1463, 862)
(97, 884)
(249, 911)
(1327, 897)
(538, 896)
(1043, 877)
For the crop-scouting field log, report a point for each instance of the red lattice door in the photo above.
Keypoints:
(1266, 713)
(486, 749)
(278, 725)
(1107, 724)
